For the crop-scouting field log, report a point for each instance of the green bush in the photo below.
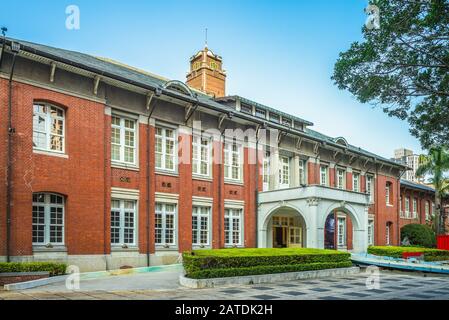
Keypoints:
(419, 235)
(235, 272)
(234, 262)
(396, 252)
(55, 269)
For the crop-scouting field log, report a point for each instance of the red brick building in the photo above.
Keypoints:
(104, 165)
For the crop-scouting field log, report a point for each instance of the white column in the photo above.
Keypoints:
(295, 172)
(274, 170)
(312, 230)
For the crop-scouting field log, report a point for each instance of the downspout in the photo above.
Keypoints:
(399, 206)
(148, 175)
(15, 48)
(256, 192)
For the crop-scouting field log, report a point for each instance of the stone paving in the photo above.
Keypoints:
(393, 285)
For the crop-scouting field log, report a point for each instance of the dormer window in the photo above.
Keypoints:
(246, 108)
(261, 113)
(275, 117)
(299, 126)
(286, 122)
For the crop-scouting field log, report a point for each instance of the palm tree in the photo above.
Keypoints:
(435, 164)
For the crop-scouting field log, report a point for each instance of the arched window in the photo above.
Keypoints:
(48, 219)
(48, 127)
(388, 230)
(389, 193)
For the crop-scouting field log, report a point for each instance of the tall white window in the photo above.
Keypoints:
(370, 187)
(123, 140)
(200, 226)
(201, 156)
(233, 227)
(165, 224)
(232, 161)
(48, 128)
(387, 193)
(341, 174)
(387, 234)
(370, 232)
(401, 209)
(427, 209)
(48, 219)
(123, 222)
(323, 176)
(415, 208)
(407, 207)
(165, 149)
(266, 171)
(341, 231)
(302, 172)
(284, 172)
(356, 182)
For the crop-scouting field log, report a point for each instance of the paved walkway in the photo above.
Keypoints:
(393, 285)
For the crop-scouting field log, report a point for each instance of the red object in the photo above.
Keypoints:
(407, 255)
(443, 242)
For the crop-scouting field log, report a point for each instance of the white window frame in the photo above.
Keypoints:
(196, 213)
(164, 213)
(284, 172)
(369, 187)
(122, 210)
(341, 174)
(122, 143)
(356, 182)
(229, 164)
(326, 175)
(232, 214)
(370, 232)
(415, 208)
(341, 232)
(266, 168)
(164, 156)
(407, 207)
(427, 209)
(197, 149)
(387, 194)
(48, 127)
(387, 234)
(302, 172)
(47, 206)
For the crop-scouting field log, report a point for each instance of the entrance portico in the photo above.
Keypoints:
(304, 211)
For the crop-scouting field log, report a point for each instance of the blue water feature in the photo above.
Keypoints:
(111, 273)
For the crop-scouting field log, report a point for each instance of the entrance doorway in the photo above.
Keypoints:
(287, 232)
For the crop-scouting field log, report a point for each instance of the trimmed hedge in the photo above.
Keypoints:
(419, 235)
(396, 252)
(55, 269)
(238, 262)
(235, 272)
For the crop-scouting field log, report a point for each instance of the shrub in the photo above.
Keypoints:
(54, 268)
(419, 235)
(234, 262)
(396, 252)
(256, 270)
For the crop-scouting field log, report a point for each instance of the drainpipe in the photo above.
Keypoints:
(256, 193)
(157, 93)
(15, 48)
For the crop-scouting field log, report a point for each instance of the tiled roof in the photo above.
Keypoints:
(143, 78)
(416, 185)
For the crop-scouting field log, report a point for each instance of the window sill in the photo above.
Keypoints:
(50, 153)
(164, 248)
(202, 178)
(234, 182)
(55, 248)
(121, 249)
(118, 165)
(232, 246)
(167, 172)
(390, 205)
(199, 247)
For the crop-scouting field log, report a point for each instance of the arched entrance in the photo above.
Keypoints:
(338, 231)
(286, 228)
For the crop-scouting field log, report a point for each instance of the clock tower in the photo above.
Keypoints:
(206, 73)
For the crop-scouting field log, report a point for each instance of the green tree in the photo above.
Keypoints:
(403, 66)
(435, 164)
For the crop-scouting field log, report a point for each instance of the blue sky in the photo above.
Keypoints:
(279, 53)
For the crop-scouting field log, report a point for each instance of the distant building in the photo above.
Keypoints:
(410, 159)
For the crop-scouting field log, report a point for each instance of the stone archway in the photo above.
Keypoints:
(352, 224)
(285, 227)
